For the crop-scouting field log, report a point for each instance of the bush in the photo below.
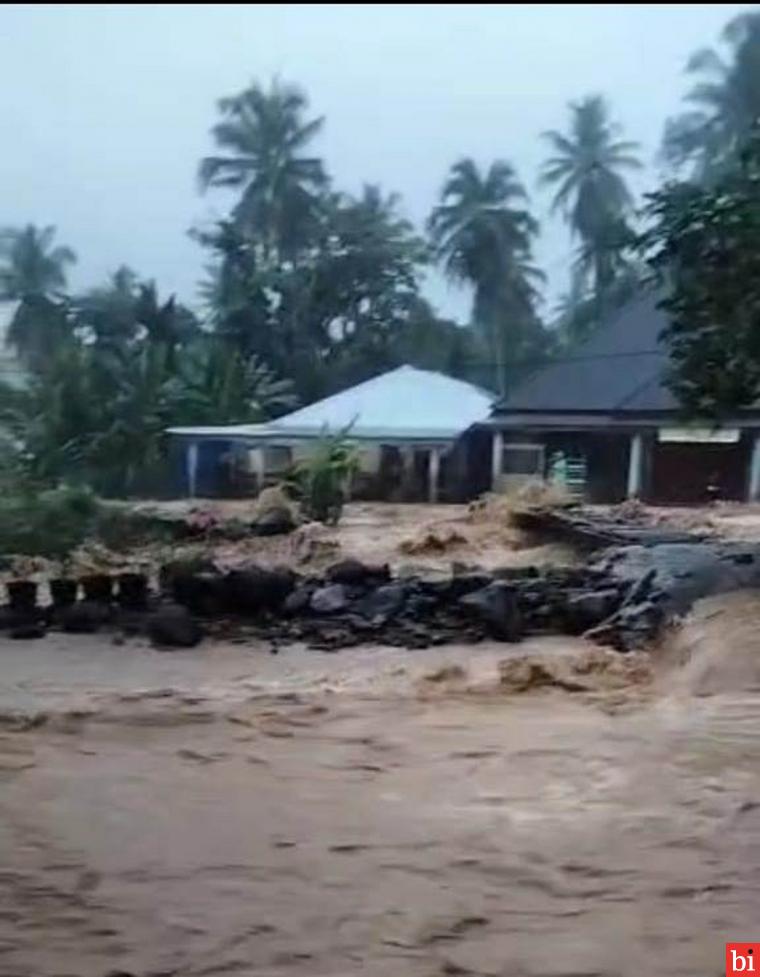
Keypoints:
(49, 523)
(320, 482)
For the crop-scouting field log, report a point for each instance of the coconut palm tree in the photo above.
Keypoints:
(263, 134)
(586, 168)
(32, 266)
(483, 233)
(724, 104)
(33, 274)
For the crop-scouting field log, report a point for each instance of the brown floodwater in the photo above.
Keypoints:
(223, 811)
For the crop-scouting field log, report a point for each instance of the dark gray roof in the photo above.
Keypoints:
(620, 369)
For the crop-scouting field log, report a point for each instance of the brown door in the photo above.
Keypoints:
(697, 473)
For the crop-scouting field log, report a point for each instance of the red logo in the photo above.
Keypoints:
(742, 958)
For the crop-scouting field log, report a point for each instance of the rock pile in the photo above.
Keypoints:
(354, 603)
(623, 599)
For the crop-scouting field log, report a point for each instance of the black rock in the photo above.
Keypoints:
(331, 599)
(84, 617)
(588, 608)
(26, 625)
(638, 625)
(256, 589)
(277, 521)
(496, 607)
(355, 573)
(383, 603)
(467, 583)
(200, 591)
(184, 568)
(299, 600)
(173, 626)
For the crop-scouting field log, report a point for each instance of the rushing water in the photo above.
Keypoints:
(376, 812)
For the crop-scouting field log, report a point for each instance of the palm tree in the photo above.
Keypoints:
(263, 134)
(32, 266)
(33, 273)
(483, 234)
(591, 192)
(725, 103)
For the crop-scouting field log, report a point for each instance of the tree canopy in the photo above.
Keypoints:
(704, 248)
(483, 234)
(310, 288)
(724, 104)
(586, 170)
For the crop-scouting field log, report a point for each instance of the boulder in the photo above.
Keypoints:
(172, 626)
(467, 583)
(590, 607)
(200, 591)
(255, 589)
(331, 599)
(354, 573)
(276, 521)
(383, 603)
(298, 601)
(84, 617)
(26, 626)
(496, 607)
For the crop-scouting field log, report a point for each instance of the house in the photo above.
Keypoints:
(406, 422)
(606, 410)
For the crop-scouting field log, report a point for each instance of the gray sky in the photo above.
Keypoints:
(106, 108)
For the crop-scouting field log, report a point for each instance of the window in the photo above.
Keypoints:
(523, 459)
(277, 459)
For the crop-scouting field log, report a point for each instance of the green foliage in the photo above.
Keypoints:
(723, 106)
(262, 134)
(49, 523)
(31, 265)
(483, 234)
(320, 483)
(33, 274)
(95, 408)
(704, 247)
(586, 169)
(334, 314)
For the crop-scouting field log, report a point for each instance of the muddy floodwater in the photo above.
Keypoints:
(224, 811)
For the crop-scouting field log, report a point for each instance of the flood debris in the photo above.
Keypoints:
(623, 597)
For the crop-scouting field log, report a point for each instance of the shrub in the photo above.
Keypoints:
(321, 481)
(49, 523)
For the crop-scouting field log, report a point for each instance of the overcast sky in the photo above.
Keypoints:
(106, 108)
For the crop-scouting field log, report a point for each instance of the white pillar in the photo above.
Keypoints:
(434, 467)
(754, 471)
(635, 466)
(257, 459)
(191, 463)
(497, 450)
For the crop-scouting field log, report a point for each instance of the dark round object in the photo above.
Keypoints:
(172, 626)
(84, 617)
(98, 587)
(27, 628)
(133, 591)
(63, 591)
(22, 594)
(201, 592)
